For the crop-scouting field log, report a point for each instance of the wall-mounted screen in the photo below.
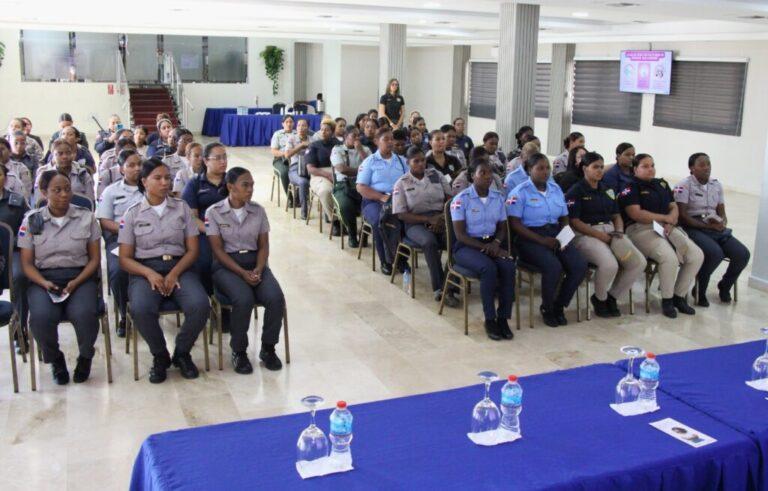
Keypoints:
(646, 72)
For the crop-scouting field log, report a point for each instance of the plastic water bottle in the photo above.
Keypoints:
(341, 435)
(407, 281)
(511, 405)
(649, 380)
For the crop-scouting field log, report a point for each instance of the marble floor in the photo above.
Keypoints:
(353, 336)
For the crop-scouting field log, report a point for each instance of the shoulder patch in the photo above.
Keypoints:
(626, 191)
(611, 194)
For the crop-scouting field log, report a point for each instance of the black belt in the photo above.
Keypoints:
(486, 239)
(242, 251)
(164, 257)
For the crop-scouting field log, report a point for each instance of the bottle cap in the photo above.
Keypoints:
(512, 378)
(650, 355)
(341, 404)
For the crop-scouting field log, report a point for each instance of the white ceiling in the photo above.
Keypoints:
(429, 21)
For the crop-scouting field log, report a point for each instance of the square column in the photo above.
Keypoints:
(560, 96)
(392, 43)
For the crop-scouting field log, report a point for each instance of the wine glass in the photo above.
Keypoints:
(628, 388)
(486, 415)
(760, 366)
(312, 444)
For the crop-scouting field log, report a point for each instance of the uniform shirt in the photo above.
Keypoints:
(381, 174)
(181, 179)
(454, 152)
(451, 166)
(80, 179)
(343, 155)
(237, 236)
(116, 200)
(515, 178)
(498, 163)
(160, 149)
(102, 142)
(154, 235)
(22, 173)
(280, 139)
(82, 156)
(514, 164)
(392, 105)
(107, 159)
(13, 183)
(560, 163)
(462, 182)
(175, 163)
(294, 141)
(591, 206)
(480, 218)
(702, 199)
(464, 142)
(28, 162)
(654, 196)
(534, 208)
(615, 179)
(107, 178)
(60, 246)
(12, 209)
(200, 193)
(368, 143)
(420, 196)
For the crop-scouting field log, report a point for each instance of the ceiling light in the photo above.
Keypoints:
(357, 30)
(752, 17)
(622, 4)
(420, 35)
(443, 22)
(580, 15)
(325, 16)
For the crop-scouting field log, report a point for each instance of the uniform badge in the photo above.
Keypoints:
(626, 191)
(122, 224)
(611, 194)
(570, 203)
(207, 222)
(395, 191)
(679, 189)
(663, 183)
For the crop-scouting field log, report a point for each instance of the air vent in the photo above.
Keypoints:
(752, 17)
(641, 22)
(622, 4)
(443, 22)
(325, 16)
(358, 30)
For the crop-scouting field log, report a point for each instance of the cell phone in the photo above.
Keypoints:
(119, 127)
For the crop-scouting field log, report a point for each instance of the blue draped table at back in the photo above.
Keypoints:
(215, 115)
(571, 440)
(257, 130)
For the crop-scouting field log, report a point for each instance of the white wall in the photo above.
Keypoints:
(359, 80)
(314, 71)
(430, 83)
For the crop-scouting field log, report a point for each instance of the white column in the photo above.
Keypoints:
(332, 77)
(759, 277)
(392, 43)
(300, 71)
(516, 81)
(458, 87)
(560, 96)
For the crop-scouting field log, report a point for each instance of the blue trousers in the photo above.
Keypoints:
(552, 264)
(117, 278)
(497, 279)
(385, 243)
(717, 246)
(303, 183)
(203, 264)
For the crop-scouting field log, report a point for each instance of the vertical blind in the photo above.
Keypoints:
(705, 96)
(482, 89)
(597, 100)
(543, 71)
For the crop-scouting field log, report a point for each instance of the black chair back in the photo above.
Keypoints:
(6, 249)
(277, 107)
(300, 108)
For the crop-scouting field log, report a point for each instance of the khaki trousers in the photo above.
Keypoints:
(323, 188)
(618, 264)
(688, 257)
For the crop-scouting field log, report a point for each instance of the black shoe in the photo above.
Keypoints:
(504, 329)
(613, 306)
(160, 365)
(241, 363)
(549, 316)
(600, 306)
(386, 269)
(668, 308)
(336, 229)
(59, 370)
(682, 306)
(365, 241)
(121, 329)
(725, 293)
(492, 329)
(303, 216)
(82, 370)
(560, 316)
(187, 367)
(352, 242)
(702, 301)
(269, 357)
(450, 299)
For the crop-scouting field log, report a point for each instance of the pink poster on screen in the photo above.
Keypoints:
(646, 71)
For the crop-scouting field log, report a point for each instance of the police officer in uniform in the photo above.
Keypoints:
(176, 162)
(596, 220)
(195, 165)
(537, 212)
(60, 256)
(278, 146)
(560, 163)
(108, 159)
(296, 152)
(619, 176)
(647, 204)
(80, 179)
(158, 240)
(239, 233)
(113, 174)
(19, 152)
(112, 205)
(376, 179)
(418, 199)
(702, 215)
(346, 159)
(162, 146)
(13, 181)
(18, 167)
(480, 225)
(463, 141)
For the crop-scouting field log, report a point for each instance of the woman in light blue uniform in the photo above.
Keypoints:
(480, 225)
(537, 212)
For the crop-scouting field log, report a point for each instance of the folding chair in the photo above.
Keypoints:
(292, 196)
(409, 250)
(276, 182)
(366, 230)
(12, 320)
(312, 195)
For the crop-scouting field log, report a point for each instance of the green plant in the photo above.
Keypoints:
(2, 52)
(273, 64)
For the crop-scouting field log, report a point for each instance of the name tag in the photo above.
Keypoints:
(475, 210)
(224, 225)
(142, 225)
(699, 194)
(410, 189)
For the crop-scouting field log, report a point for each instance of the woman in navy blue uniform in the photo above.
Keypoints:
(480, 225)
(537, 212)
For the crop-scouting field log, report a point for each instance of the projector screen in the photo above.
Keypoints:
(646, 72)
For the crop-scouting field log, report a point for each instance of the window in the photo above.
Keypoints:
(597, 100)
(543, 71)
(482, 89)
(227, 59)
(141, 58)
(46, 56)
(95, 56)
(187, 54)
(705, 96)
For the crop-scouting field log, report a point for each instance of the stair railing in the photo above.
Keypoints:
(172, 78)
(121, 87)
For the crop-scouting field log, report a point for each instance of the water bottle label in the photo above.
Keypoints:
(340, 427)
(649, 373)
(515, 399)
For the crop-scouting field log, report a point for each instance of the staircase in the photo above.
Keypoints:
(148, 101)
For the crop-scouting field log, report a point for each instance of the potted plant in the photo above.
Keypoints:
(273, 64)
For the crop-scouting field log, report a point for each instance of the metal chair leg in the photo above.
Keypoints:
(219, 322)
(631, 303)
(134, 337)
(272, 191)
(32, 376)
(285, 335)
(530, 303)
(11, 331)
(517, 299)
(578, 303)
(206, 327)
(178, 320)
(466, 307)
(309, 207)
(107, 346)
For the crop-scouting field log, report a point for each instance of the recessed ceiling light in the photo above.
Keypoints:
(325, 16)
(420, 35)
(641, 22)
(752, 17)
(358, 30)
(443, 22)
(622, 4)
(580, 14)
(432, 5)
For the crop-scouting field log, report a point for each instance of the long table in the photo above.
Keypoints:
(256, 130)
(215, 115)
(571, 440)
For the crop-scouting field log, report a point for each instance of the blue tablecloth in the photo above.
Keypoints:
(712, 381)
(257, 130)
(572, 441)
(215, 115)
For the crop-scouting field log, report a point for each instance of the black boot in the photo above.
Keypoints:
(549, 316)
(82, 370)
(682, 306)
(121, 329)
(241, 363)
(59, 369)
(600, 306)
(504, 329)
(336, 228)
(668, 308)
(725, 293)
(560, 315)
(613, 306)
(160, 365)
(187, 367)
(352, 242)
(492, 329)
(386, 268)
(269, 357)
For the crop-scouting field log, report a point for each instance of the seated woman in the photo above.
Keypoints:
(369, 134)
(573, 172)
(702, 215)
(418, 199)
(480, 225)
(158, 240)
(421, 124)
(464, 179)
(113, 203)
(106, 139)
(12, 181)
(140, 138)
(596, 220)
(346, 160)
(415, 139)
(80, 179)
(60, 256)
(110, 176)
(376, 179)
(537, 212)
(238, 230)
(195, 165)
(108, 159)
(646, 203)
(296, 152)
(496, 157)
(320, 169)
(463, 141)
(528, 149)
(522, 137)
(438, 159)
(32, 147)
(177, 161)
(277, 147)
(83, 155)
(341, 127)
(619, 176)
(19, 153)
(161, 146)
(560, 163)
(450, 145)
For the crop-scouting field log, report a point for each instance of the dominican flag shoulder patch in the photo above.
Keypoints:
(679, 189)
(456, 204)
(122, 224)
(512, 200)
(626, 191)
(207, 222)
(22, 231)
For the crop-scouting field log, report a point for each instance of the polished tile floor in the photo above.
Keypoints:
(353, 336)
